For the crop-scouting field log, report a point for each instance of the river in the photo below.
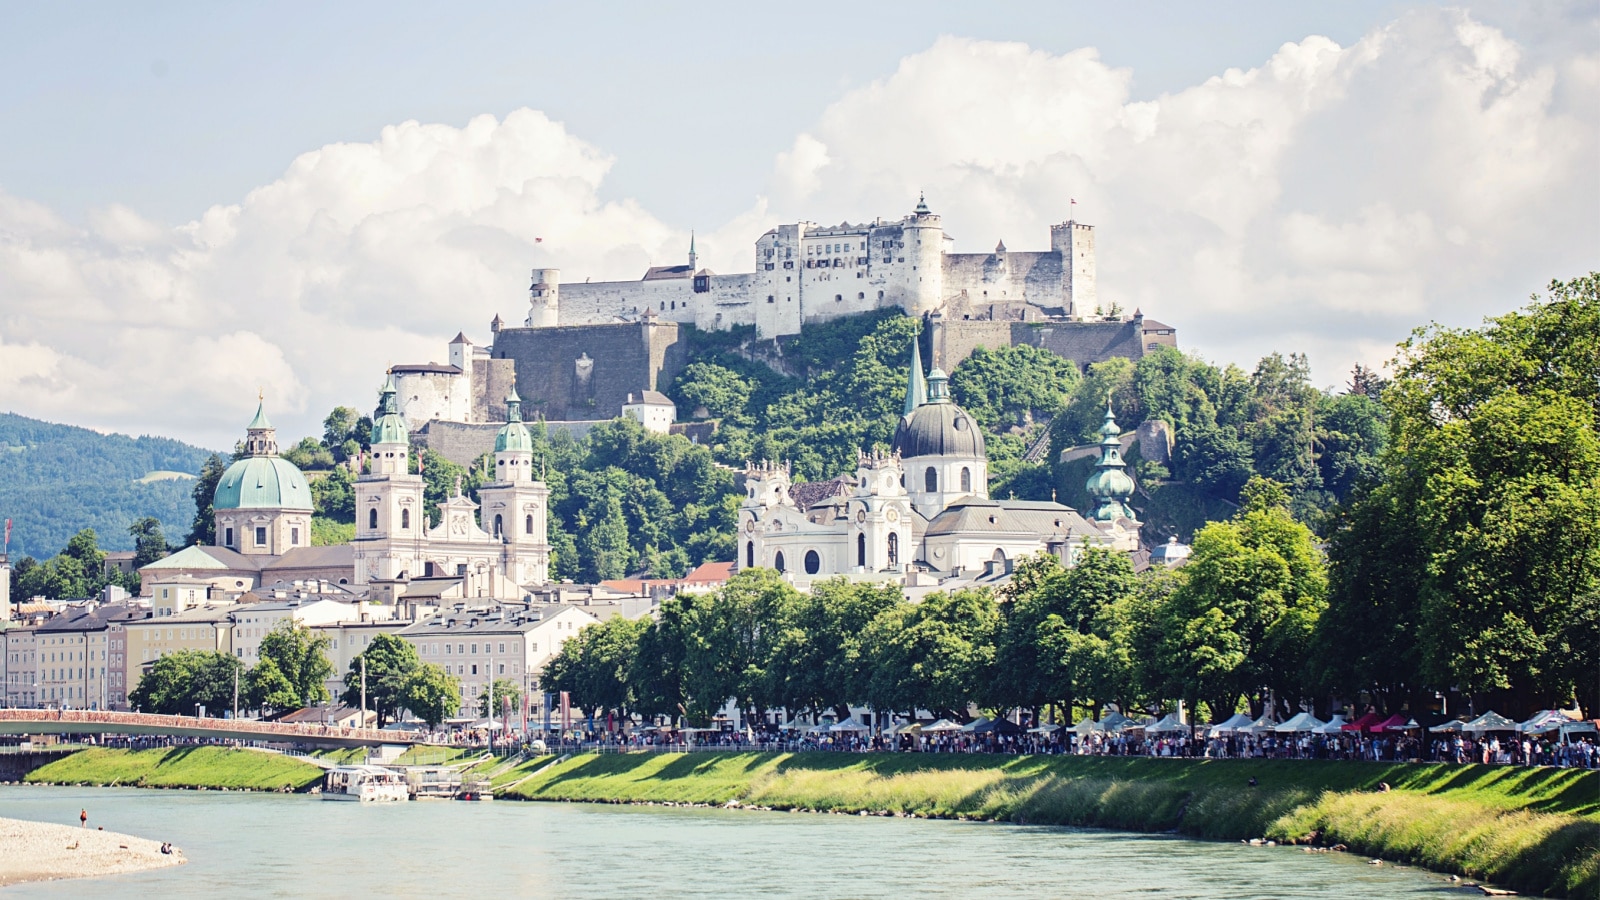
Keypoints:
(261, 845)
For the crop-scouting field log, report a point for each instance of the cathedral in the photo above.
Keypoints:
(924, 506)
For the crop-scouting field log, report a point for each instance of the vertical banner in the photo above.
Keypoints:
(566, 712)
(525, 701)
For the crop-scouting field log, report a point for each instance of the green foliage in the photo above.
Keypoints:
(1012, 386)
(503, 688)
(203, 530)
(334, 496)
(300, 657)
(326, 533)
(78, 571)
(431, 692)
(266, 687)
(723, 392)
(149, 541)
(179, 682)
(184, 767)
(594, 665)
(391, 663)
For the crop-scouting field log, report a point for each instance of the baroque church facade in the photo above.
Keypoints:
(924, 506)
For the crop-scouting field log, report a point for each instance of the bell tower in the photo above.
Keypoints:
(515, 508)
(390, 524)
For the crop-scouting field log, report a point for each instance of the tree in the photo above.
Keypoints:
(503, 688)
(267, 688)
(723, 392)
(204, 529)
(391, 663)
(936, 655)
(309, 454)
(345, 432)
(1010, 386)
(727, 643)
(431, 693)
(180, 682)
(149, 542)
(300, 656)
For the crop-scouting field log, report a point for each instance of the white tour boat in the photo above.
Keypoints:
(367, 784)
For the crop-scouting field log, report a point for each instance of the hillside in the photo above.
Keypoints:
(57, 479)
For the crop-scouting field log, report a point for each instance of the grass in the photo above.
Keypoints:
(1530, 829)
(191, 767)
(434, 755)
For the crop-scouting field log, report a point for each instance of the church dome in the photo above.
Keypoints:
(391, 426)
(1110, 484)
(938, 427)
(514, 436)
(262, 482)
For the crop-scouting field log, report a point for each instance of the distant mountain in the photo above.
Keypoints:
(57, 479)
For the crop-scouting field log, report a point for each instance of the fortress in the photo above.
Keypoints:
(591, 351)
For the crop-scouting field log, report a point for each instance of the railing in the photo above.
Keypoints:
(106, 722)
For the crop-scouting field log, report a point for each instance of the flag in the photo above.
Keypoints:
(8, 532)
(538, 240)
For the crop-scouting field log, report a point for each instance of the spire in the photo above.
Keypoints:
(693, 258)
(916, 390)
(1110, 484)
(922, 205)
(260, 421)
(938, 386)
(387, 393)
(261, 439)
(513, 406)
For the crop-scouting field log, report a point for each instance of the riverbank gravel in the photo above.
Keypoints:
(41, 851)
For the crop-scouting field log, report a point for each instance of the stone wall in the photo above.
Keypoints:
(1081, 342)
(463, 442)
(586, 372)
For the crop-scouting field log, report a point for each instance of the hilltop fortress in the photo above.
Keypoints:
(589, 351)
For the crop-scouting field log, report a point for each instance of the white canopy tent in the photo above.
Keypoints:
(1168, 724)
(1543, 721)
(849, 724)
(1454, 726)
(943, 726)
(1262, 725)
(1300, 724)
(1044, 729)
(1490, 721)
(1234, 723)
(1332, 726)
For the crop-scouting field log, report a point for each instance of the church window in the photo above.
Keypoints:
(894, 549)
(372, 518)
(880, 293)
(777, 561)
(813, 562)
(750, 554)
(499, 525)
(461, 570)
(528, 526)
(227, 539)
(862, 295)
(405, 518)
(294, 537)
(861, 549)
(261, 537)
(838, 298)
(966, 479)
(930, 479)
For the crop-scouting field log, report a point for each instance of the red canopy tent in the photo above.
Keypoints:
(1396, 722)
(1371, 722)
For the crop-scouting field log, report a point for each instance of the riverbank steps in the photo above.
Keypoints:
(215, 768)
(41, 851)
(1533, 830)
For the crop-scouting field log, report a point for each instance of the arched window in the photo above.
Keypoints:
(405, 518)
(813, 562)
(777, 561)
(966, 480)
(894, 549)
(372, 518)
(750, 554)
(861, 549)
(499, 526)
(528, 526)
(930, 479)
(227, 541)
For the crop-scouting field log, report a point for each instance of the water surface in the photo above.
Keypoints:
(263, 845)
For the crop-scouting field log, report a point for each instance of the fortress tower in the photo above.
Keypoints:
(544, 297)
(1075, 242)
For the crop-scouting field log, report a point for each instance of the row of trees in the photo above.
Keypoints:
(80, 570)
(291, 672)
(1463, 562)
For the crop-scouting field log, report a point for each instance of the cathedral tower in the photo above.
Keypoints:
(515, 507)
(262, 505)
(390, 525)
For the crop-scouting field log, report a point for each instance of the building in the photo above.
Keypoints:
(73, 656)
(477, 644)
(924, 506)
(137, 643)
(652, 409)
(22, 665)
(254, 621)
(350, 638)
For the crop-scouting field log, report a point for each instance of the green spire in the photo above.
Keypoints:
(938, 386)
(513, 406)
(260, 421)
(390, 427)
(1110, 484)
(916, 390)
(388, 392)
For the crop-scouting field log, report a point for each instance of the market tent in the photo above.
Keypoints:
(911, 728)
(1169, 724)
(1262, 725)
(1365, 723)
(1544, 720)
(1332, 726)
(1454, 726)
(1490, 721)
(975, 724)
(1235, 722)
(1116, 722)
(1044, 729)
(1088, 726)
(1408, 725)
(1300, 723)
(1396, 722)
(943, 726)
(850, 724)
(1590, 726)
(994, 726)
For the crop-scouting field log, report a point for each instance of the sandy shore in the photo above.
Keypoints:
(39, 851)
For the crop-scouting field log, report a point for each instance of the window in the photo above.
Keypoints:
(405, 518)
(499, 525)
(475, 648)
(777, 561)
(750, 554)
(261, 537)
(294, 537)
(227, 539)
(861, 549)
(813, 562)
(372, 518)
(474, 668)
(502, 648)
(966, 479)
(527, 529)
(930, 479)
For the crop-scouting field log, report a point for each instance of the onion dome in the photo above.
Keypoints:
(1110, 484)
(938, 427)
(262, 479)
(514, 436)
(391, 426)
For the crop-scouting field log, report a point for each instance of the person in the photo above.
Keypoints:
(83, 818)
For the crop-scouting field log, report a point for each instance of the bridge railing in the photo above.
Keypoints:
(101, 721)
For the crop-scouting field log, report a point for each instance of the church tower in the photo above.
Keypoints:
(515, 507)
(879, 537)
(1111, 486)
(390, 524)
(262, 505)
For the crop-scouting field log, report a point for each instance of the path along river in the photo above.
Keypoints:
(261, 845)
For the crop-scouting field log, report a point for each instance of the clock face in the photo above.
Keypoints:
(750, 526)
(861, 515)
(893, 516)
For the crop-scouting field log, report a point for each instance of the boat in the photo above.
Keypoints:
(477, 791)
(365, 784)
(438, 782)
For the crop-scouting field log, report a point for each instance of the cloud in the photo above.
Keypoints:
(1325, 200)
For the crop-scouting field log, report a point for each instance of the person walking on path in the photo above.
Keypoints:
(83, 818)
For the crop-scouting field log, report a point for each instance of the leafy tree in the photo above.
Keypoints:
(595, 666)
(345, 432)
(503, 688)
(727, 646)
(300, 656)
(1012, 385)
(1351, 430)
(430, 693)
(180, 682)
(937, 654)
(723, 392)
(267, 688)
(204, 529)
(149, 542)
(391, 664)
(309, 454)
(658, 673)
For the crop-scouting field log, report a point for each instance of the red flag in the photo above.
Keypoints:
(538, 240)
(8, 532)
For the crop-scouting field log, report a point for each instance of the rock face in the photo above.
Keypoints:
(40, 851)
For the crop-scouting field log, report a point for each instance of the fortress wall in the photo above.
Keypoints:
(621, 358)
(492, 380)
(423, 396)
(1083, 342)
(955, 340)
(1029, 276)
(601, 302)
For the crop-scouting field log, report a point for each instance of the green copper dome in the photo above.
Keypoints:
(262, 482)
(1110, 484)
(514, 437)
(390, 427)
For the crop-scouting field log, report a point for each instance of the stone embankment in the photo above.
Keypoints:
(40, 851)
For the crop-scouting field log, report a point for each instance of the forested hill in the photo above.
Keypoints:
(58, 479)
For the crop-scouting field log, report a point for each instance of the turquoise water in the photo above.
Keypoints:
(263, 845)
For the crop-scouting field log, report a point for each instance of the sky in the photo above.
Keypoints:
(200, 201)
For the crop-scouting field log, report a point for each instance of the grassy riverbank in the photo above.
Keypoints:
(1530, 829)
(181, 767)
